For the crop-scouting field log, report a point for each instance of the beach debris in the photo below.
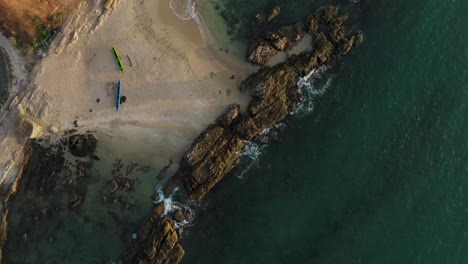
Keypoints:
(75, 123)
(123, 99)
(98, 100)
(232, 77)
(53, 129)
(129, 61)
(90, 110)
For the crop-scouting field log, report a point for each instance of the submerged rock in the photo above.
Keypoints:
(274, 13)
(82, 145)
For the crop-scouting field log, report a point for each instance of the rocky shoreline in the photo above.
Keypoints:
(213, 154)
(216, 151)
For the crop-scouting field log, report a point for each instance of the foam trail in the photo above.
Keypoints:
(170, 206)
(309, 91)
(252, 151)
(186, 10)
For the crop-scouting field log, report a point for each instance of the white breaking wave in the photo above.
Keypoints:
(184, 9)
(309, 89)
(170, 206)
(253, 152)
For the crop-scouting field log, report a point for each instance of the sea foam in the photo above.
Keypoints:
(186, 10)
(170, 206)
(310, 88)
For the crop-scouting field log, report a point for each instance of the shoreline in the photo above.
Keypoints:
(179, 87)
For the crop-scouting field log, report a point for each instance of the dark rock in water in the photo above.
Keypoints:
(82, 145)
(359, 38)
(311, 24)
(274, 13)
(75, 200)
(112, 185)
(327, 13)
(179, 215)
(324, 21)
(157, 242)
(347, 45)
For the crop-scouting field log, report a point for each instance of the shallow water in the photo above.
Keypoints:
(100, 229)
(377, 172)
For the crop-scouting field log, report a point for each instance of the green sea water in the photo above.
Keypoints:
(378, 172)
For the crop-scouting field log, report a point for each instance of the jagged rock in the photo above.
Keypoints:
(347, 45)
(112, 185)
(229, 115)
(324, 21)
(327, 13)
(282, 39)
(311, 24)
(359, 39)
(75, 200)
(274, 13)
(259, 17)
(323, 47)
(260, 52)
(213, 154)
(179, 215)
(156, 242)
(82, 145)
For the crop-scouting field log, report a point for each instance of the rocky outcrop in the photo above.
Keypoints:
(212, 155)
(82, 145)
(325, 20)
(156, 243)
(274, 13)
(283, 39)
(216, 151)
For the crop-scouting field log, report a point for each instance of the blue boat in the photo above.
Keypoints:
(119, 94)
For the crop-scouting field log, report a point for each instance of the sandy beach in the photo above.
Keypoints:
(173, 84)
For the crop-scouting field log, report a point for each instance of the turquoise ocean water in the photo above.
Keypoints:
(378, 172)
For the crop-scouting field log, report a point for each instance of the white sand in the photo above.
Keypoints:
(171, 95)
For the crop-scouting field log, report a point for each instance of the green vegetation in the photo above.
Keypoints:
(45, 33)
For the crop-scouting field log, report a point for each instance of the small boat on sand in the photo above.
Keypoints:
(119, 60)
(119, 95)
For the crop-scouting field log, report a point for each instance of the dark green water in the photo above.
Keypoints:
(378, 173)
